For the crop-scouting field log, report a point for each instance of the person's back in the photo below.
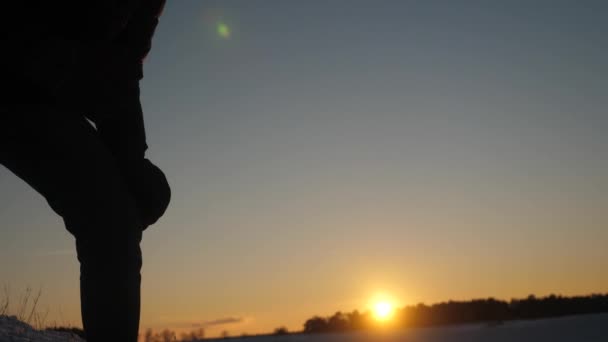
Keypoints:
(67, 63)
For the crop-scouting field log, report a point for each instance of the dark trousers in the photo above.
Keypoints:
(62, 157)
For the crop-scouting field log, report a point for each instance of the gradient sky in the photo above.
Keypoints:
(328, 151)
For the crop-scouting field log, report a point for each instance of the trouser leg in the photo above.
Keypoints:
(63, 158)
(110, 289)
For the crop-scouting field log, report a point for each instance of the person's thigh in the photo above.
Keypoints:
(62, 157)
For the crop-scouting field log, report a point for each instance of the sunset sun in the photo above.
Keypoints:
(383, 310)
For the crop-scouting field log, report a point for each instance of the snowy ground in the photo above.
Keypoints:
(12, 330)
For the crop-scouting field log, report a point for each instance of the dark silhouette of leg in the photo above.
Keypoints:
(62, 157)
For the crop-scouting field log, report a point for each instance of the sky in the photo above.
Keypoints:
(325, 153)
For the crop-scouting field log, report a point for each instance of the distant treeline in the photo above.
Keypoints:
(453, 312)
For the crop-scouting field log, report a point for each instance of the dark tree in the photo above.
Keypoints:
(281, 331)
(316, 325)
(487, 310)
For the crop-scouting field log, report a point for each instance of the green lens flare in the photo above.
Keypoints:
(223, 31)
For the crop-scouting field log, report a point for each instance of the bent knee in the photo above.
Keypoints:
(152, 193)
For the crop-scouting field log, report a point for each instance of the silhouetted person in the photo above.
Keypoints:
(64, 65)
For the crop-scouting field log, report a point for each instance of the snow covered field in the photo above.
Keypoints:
(12, 330)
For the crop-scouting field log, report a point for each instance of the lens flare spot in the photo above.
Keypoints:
(223, 30)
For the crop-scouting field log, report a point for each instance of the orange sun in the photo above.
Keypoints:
(383, 310)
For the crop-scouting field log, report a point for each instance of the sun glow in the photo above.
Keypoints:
(383, 310)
